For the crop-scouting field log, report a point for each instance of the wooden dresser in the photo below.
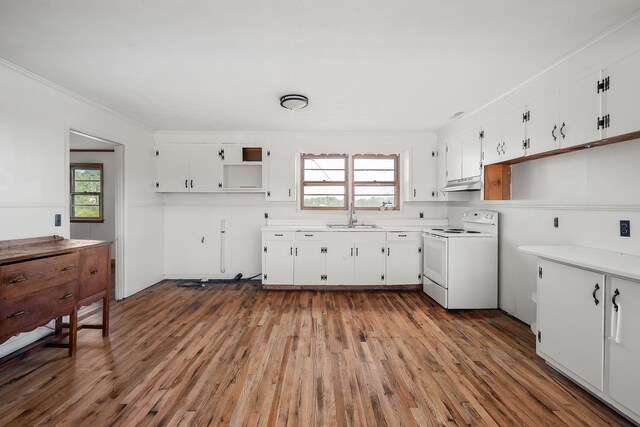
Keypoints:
(45, 278)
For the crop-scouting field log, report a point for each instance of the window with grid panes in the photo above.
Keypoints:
(324, 181)
(375, 181)
(86, 192)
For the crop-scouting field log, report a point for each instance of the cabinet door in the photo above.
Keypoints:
(441, 172)
(423, 173)
(542, 129)
(308, 263)
(471, 154)
(512, 135)
(491, 142)
(281, 174)
(579, 109)
(369, 264)
(623, 96)
(454, 159)
(205, 168)
(278, 262)
(403, 263)
(232, 153)
(570, 322)
(624, 352)
(172, 168)
(339, 263)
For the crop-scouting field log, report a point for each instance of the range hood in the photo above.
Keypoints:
(465, 184)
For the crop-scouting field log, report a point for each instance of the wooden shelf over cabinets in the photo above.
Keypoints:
(497, 182)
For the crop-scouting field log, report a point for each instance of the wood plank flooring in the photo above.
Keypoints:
(239, 355)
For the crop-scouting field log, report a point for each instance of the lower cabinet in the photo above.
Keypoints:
(624, 342)
(341, 258)
(589, 327)
(571, 319)
(404, 258)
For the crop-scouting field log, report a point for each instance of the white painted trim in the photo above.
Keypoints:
(520, 205)
(73, 94)
(19, 205)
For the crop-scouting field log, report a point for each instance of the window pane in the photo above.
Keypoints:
(323, 189)
(374, 201)
(324, 175)
(85, 212)
(374, 163)
(87, 187)
(324, 201)
(324, 163)
(92, 200)
(84, 174)
(371, 176)
(374, 190)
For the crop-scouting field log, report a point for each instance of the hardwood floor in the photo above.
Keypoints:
(239, 355)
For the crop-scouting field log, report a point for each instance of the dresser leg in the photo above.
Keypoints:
(58, 326)
(105, 316)
(73, 332)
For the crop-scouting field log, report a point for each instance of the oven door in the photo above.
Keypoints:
(435, 258)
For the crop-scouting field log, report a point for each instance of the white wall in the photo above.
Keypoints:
(98, 230)
(34, 121)
(190, 217)
(589, 191)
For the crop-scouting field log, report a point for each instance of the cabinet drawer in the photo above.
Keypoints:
(399, 236)
(30, 311)
(309, 235)
(279, 235)
(368, 236)
(24, 278)
(94, 271)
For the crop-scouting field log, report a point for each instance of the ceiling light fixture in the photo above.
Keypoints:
(294, 102)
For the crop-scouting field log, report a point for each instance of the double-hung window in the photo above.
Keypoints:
(324, 181)
(330, 181)
(86, 192)
(375, 181)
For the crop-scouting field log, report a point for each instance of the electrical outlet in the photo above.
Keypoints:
(555, 222)
(625, 228)
(58, 220)
(421, 215)
(266, 215)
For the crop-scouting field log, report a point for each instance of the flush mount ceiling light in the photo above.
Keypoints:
(294, 102)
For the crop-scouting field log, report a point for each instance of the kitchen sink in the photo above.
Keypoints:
(356, 226)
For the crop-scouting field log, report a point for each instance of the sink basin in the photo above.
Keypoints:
(356, 226)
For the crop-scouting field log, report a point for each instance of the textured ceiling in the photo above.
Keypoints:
(375, 65)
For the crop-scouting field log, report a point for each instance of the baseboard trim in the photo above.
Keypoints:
(343, 287)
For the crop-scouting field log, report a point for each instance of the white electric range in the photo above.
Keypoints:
(461, 264)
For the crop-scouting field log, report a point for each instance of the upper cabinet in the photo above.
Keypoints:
(622, 97)
(543, 131)
(454, 159)
(281, 174)
(579, 110)
(471, 154)
(421, 179)
(207, 168)
(502, 137)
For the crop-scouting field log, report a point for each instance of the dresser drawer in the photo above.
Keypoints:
(21, 314)
(94, 271)
(27, 277)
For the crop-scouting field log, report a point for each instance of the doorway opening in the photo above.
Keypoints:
(96, 197)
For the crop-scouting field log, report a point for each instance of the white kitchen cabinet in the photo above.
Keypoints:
(542, 127)
(309, 262)
(502, 138)
(369, 263)
(624, 342)
(403, 264)
(471, 154)
(187, 168)
(422, 168)
(571, 319)
(491, 141)
(454, 159)
(278, 262)
(579, 109)
(281, 174)
(339, 263)
(623, 96)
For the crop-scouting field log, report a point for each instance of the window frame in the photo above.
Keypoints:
(100, 194)
(395, 183)
(344, 183)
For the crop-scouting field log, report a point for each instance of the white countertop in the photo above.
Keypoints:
(615, 263)
(325, 228)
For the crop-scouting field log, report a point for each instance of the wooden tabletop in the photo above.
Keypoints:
(24, 249)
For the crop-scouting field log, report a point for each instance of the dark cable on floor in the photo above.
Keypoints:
(197, 283)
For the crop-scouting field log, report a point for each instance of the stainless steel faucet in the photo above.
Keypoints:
(352, 214)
